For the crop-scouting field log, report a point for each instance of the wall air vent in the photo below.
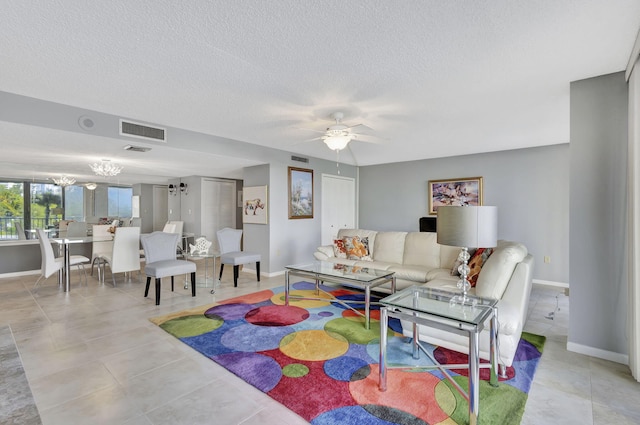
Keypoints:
(136, 148)
(142, 131)
(299, 159)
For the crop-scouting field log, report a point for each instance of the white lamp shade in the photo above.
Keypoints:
(470, 227)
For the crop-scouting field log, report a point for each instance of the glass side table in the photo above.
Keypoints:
(215, 282)
(431, 307)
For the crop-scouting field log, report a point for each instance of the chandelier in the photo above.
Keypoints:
(64, 181)
(106, 168)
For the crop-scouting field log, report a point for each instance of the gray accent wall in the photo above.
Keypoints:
(599, 127)
(530, 187)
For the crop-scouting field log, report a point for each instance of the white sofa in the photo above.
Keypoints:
(417, 259)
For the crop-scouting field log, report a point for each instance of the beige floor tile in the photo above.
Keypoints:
(105, 406)
(64, 386)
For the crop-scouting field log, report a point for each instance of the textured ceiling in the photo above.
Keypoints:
(433, 78)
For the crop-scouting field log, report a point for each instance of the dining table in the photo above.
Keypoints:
(64, 246)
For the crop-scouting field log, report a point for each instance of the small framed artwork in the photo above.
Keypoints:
(255, 207)
(456, 192)
(300, 193)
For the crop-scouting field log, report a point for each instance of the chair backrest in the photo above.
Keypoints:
(77, 229)
(126, 250)
(169, 228)
(229, 239)
(159, 246)
(101, 247)
(115, 223)
(48, 264)
(20, 230)
(179, 226)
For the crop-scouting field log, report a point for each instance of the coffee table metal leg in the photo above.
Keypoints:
(286, 287)
(367, 307)
(474, 377)
(382, 374)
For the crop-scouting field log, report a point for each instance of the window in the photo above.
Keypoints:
(11, 209)
(74, 203)
(46, 205)
(119, 201)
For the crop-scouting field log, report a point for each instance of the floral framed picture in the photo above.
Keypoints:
(456, 192)
(254, 204)
(300, 193)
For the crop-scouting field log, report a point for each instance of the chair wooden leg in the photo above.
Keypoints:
(236, 270)
(157, 291)
(193, 284)
(171, 283)
(146, 289)
(258, 270)
(221, 268)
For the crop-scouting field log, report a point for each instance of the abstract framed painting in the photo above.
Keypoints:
(300, 193)
(455, 192)
(255, 205)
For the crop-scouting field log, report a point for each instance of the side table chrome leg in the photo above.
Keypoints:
(286, 287)
(474, 378)
(382, 374)
(493, 347)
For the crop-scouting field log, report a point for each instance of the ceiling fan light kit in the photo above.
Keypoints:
(337, 143)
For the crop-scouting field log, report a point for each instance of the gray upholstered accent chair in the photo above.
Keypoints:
(160, 253)
(230, 253)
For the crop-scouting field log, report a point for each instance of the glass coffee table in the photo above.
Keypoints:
(433, 307)
(351, 276)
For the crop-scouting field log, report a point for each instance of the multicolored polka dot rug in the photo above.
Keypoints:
(316, 358)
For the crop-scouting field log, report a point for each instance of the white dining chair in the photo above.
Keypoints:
(160, 253)
(230, 253)
(125, 254)
(51, 264)
(20, 230)
(77, 229)
(100, 247)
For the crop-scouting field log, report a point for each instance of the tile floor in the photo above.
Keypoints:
(92, 356)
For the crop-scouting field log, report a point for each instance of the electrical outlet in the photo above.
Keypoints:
(547, 259)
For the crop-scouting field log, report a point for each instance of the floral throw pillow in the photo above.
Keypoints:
(476, 262)
(357, 248)
(339, 249)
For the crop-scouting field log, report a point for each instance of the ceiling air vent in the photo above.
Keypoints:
(299, 159)
(136, 148)
(141, 131)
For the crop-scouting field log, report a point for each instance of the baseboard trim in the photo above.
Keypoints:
(18, 274)
(598, 353)
(563, 285)
(249, 270)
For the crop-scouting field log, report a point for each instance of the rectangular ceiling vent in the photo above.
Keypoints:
(299, 159)
(142, 131)
(136, 148)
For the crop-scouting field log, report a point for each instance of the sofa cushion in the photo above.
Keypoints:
(327, 250)
(422, 249)
(414, 273)
(441, 274)
(339, 250)
(497, 271)
(389, 247)
(476, 262)
(357, 248)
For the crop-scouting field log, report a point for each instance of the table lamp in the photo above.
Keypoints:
(467, 227)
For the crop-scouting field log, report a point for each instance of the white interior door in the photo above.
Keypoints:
(338, 206)
(218, 207)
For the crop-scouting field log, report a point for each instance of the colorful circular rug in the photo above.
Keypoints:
(316, 358)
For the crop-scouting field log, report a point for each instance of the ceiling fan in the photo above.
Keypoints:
(337, 136)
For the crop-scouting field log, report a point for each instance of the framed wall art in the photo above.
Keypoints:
(300, 193)
(255, 206)
(456, 192)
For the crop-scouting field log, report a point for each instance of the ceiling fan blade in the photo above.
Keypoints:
(311, 129)
(361, 127)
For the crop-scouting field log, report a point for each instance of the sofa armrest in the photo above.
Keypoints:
(323, 252)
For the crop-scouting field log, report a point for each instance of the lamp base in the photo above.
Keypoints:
(463, 283)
